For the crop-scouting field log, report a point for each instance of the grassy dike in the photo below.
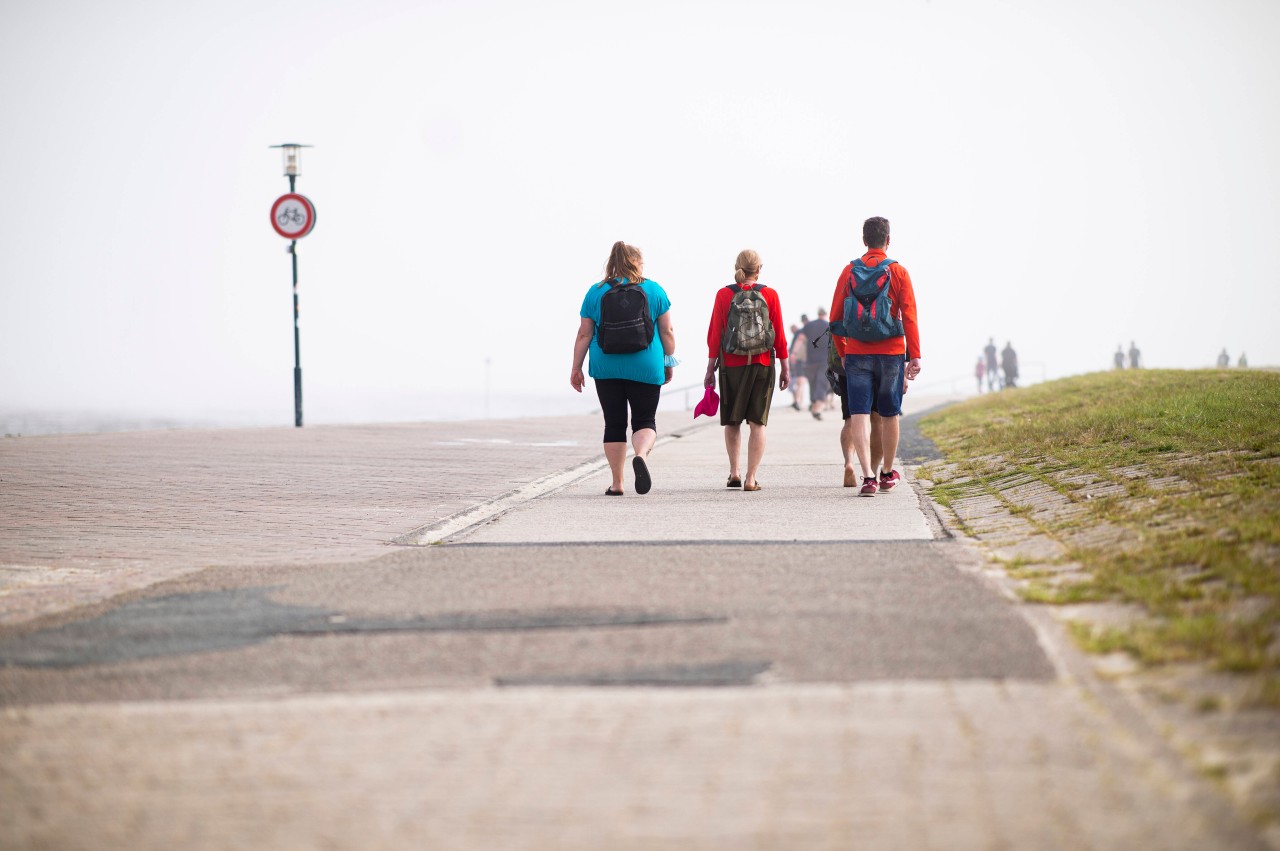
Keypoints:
(1183, 470)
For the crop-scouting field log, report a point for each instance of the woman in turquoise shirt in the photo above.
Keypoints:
(632, 380)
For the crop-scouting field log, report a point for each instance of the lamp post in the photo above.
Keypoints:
(293, 216)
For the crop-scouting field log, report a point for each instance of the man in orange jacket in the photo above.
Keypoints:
(874, 362)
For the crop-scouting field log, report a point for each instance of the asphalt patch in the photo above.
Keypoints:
(913, 446)
(181, 624)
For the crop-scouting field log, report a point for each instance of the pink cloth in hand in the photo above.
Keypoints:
(709, 405)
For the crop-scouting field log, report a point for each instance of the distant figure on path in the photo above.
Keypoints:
(1135, 356)
(1119, 356)
(1009, 362)
(815, 369)
(1224, 359)
(629, 362)
(743, 339)
(799, 387)
(993, 371)
(1243, 363)
(872, 340)
(979, 370)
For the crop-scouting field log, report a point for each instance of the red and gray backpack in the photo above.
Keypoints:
(749, 330)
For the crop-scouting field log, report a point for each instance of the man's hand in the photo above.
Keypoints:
(913, 369)
(576, 379)
(667, 372)
(784, 374)
(709, 380)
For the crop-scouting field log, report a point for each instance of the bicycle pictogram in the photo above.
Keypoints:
(290, 215)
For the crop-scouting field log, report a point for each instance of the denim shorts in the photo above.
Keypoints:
(875, 383)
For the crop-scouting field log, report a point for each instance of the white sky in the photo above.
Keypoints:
(1065, 175)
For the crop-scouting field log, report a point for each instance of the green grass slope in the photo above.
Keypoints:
(1189, 466)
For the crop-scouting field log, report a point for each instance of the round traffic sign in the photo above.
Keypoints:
(293, 216)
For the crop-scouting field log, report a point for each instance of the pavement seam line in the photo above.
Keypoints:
(458, 523)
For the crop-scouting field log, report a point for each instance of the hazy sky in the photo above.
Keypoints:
(1065, 175)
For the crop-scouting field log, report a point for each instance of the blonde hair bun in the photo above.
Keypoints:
(746, 266)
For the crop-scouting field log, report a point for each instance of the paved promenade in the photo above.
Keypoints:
(210, 642)
(83, 517)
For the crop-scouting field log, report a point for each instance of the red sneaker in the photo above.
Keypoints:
(868, 486)
(889, 479)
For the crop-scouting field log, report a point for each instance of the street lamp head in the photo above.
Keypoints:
(292, 157)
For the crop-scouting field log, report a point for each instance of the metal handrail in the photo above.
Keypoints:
(688, 405)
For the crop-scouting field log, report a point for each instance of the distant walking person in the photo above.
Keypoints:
(1243, 363)
(815, 362)
(993, 370)
(799, 387)
(873, 325)
(744, 338)
(1135, 356)
(629, 361)
(1119, 356)
(1009, 362)
(979, 370)
(1224, 359)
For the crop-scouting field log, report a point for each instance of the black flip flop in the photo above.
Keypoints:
(609, 491)
(643, 482)
(733, 483)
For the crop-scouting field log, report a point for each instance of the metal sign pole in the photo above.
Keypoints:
(293, 216)
(297, 342)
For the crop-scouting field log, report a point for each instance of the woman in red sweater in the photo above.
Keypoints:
(744, 338)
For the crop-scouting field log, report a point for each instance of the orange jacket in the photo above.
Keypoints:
(904, 304)
(720, 317)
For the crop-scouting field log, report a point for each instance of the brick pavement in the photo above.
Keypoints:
(85, 517)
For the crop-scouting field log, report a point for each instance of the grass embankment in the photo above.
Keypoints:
(1194, 460)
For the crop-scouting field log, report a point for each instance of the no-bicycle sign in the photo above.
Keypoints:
(293, 216)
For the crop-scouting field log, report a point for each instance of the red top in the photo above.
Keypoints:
(904, 303)
(720, 318)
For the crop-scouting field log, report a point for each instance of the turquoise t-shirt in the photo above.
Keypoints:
(646, 366)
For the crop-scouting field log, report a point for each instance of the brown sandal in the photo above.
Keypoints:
(733, 482)
(749, 488)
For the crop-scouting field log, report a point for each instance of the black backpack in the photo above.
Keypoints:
(626, 326)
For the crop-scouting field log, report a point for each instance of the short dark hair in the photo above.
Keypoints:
(875, 232)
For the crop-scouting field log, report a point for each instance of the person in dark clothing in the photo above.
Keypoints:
(815, 367)
(993, 371)
(1009, 363)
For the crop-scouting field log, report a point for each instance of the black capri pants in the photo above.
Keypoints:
(616, 395)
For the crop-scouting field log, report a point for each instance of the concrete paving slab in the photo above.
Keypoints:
(901, 765)
(802, 497)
